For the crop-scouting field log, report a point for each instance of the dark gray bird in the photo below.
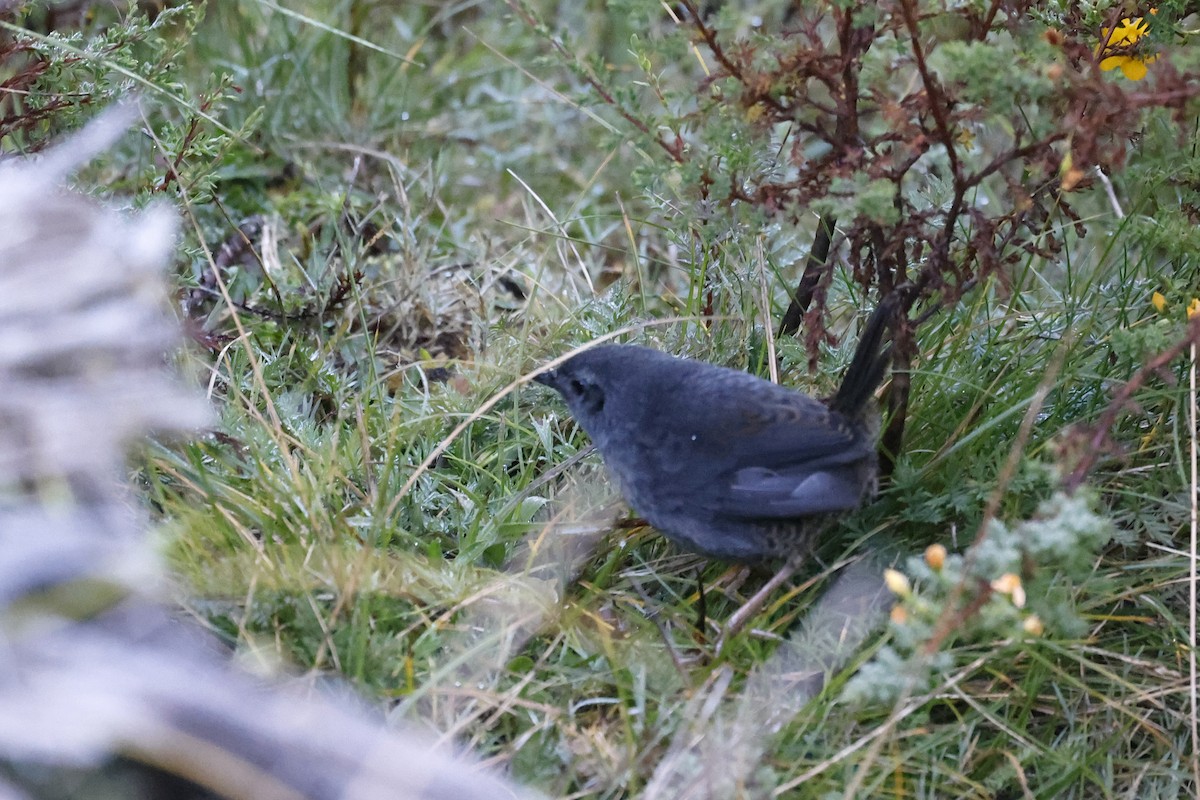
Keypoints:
(721, 462)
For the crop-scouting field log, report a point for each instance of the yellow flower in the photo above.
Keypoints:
(898, 615)
(1010, 584)
(1159, 302)
(1194, 307)
(1071, 175)
(1115, 47)
(1128, 32)
(1033, 626)
(897, 583)
(935, 556)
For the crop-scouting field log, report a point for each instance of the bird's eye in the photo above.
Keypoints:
(587, 396)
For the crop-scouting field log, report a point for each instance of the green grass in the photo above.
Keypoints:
(489, 593)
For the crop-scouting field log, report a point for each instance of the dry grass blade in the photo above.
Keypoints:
(1192, 576)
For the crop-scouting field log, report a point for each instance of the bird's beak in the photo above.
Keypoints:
(547, 378)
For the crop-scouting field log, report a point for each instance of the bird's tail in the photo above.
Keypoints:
(870, 361)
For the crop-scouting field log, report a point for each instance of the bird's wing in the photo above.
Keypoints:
(796, 491)
(787, 429)
(756, 450)
(795, 459)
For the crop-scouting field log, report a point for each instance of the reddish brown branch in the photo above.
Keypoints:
(1099, 440)
(674, 149)
(938, 104)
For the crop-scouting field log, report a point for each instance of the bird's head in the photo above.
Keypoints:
(612, 387)
(582, 383)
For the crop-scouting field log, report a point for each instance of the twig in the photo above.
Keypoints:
(953, 617)
(818, 258)
(1098, 442)
(1108, 189)
(674, 149)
